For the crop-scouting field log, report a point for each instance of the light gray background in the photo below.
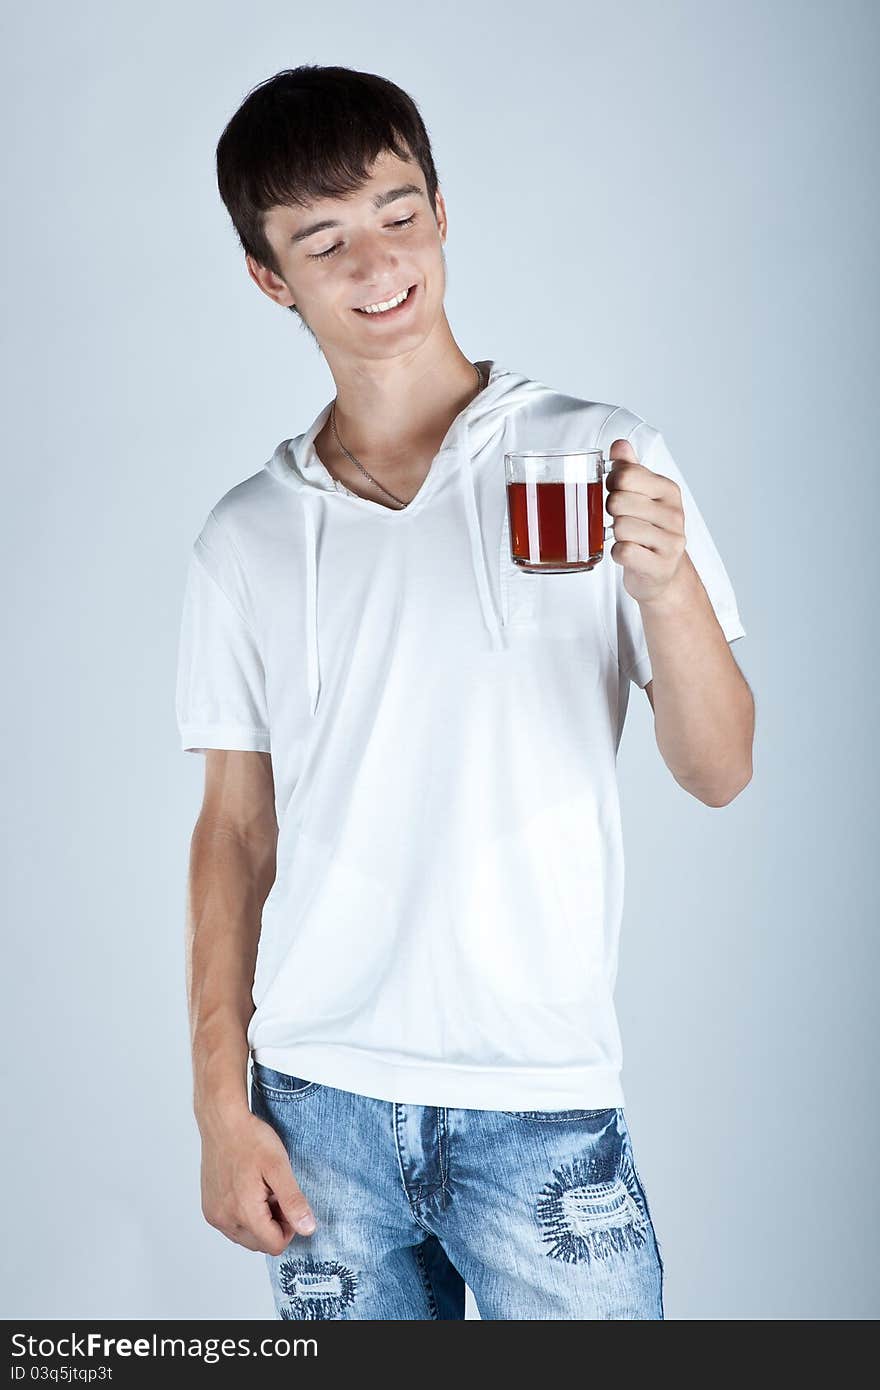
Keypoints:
(669, 206)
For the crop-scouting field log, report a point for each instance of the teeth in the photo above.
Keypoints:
(387, 304)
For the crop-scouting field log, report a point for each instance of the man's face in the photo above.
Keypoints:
(369, 256)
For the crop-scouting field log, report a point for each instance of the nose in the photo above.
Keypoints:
(378, 281)
(375, 269)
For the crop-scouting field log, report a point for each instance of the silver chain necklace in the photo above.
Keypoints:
(357, 462)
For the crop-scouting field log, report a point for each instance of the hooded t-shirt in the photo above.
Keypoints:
(444, 922)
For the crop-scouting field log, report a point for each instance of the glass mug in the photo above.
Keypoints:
(556, 508)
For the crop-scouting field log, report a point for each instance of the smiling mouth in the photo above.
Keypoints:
(388, 313)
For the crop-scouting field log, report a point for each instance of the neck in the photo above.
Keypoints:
(386, 410)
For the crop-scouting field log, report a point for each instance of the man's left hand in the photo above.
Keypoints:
(648, 524)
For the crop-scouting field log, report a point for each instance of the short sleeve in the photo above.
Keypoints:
(221, 694)
(631, 642)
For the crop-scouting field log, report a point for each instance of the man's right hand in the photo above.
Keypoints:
(248, 1188)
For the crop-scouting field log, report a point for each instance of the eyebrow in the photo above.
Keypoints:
(406, 190)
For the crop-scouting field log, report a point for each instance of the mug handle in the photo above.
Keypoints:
(607, 465)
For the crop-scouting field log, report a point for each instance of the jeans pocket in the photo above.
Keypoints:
(281, 1084)
(557, 1116)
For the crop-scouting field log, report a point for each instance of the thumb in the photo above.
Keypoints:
(290, 1197)
(622, 451)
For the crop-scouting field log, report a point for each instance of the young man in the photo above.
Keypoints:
(406, 878)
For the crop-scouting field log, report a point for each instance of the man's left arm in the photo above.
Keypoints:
(704, 712)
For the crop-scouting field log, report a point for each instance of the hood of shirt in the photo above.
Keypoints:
(475, 429)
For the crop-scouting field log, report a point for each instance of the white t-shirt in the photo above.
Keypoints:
(443, 926)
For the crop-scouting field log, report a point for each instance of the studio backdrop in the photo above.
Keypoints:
(669, 206)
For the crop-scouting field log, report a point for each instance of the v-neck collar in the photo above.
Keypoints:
(316, 472)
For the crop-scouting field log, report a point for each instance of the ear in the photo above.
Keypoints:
(270, 283)
(440, 214)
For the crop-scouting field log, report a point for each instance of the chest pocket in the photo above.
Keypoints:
(518, 595)
(550, 605)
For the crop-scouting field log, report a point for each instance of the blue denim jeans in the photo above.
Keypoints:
(541, 1212)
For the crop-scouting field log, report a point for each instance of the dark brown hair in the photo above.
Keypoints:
(312, 132)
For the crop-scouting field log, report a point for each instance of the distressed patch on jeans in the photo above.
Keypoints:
(588, 1213)
(317, 1289)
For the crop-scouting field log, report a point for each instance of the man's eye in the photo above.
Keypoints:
(322, 255)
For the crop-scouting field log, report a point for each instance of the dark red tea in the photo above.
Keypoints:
(559, 524)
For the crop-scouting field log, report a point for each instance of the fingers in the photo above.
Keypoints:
(260, 1204)
(292, 1204)
(266, 1230)
(276, 1216)
(630, 476)
(649, 535)
(668, 515)
(281, 1212)
(263, 1227)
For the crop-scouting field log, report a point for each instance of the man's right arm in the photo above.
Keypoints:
(231, 870)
